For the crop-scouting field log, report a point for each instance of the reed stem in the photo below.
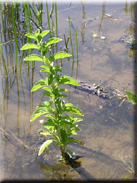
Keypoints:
(71, 45)
(48, 17)
(15, 35)
(56, 19)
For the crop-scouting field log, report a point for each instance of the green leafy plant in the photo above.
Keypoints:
(131, 97)
(60, 122)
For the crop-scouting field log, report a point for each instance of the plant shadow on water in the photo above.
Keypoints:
(107, 129)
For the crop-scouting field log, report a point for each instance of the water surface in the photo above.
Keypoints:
(107, 129)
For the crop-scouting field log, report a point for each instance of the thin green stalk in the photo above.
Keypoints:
(51, 17)
(71, 45)
(66, 43)
(28, 21)
(21, 58)
(76, 51)
(18, 105)
(3, 61)
(15, 36)
(33, 9)
(48, 17)
(56, 19)
(61, 58)
(52, 9)
(41, 12)
(76, 43)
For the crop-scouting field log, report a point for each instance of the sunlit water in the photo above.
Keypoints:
(107, 129)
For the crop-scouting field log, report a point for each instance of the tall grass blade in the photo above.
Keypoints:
(3, 61)
(28, 22)
(48, 20)
(15, 36)
(61, 58)
(71, 45)
(76, 51)
(56, 19)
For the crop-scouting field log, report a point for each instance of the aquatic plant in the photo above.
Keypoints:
(60, 123)
(15, 35)
(129, 166)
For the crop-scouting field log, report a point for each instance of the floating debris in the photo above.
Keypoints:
(103, 37)
(108, 15)
(95, 35)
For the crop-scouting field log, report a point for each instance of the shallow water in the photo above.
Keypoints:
(107, 129)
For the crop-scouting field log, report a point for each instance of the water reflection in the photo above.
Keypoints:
(107, 129)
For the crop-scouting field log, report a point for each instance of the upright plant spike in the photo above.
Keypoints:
(48, 20)
(71, 45)
(60, 121)
(76, 51)
(15, 36)
(56, 19)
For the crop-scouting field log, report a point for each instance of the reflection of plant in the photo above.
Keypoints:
(129, 165)
(59, 125)
(100, 146)
(58, 172)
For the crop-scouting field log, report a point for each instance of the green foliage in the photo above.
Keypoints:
(59, 120)
(131, 97)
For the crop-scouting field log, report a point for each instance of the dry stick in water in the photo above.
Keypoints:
(9, 135)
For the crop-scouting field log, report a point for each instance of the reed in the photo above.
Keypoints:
(39, 14)
(61, 58)
(48, 19)
(28, 23)
(66, 43)
(71, 45)
(51, 17)
(76, 51)
(15, 36)
(3, 61)
(56, 18)
(76, 43)
(21, 59)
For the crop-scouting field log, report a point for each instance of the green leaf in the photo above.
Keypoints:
(39, 84)
(76, 120)
(47, 93)
(34, 57)
(45, 69)
(75, 141)
(131, 97)
(73, 132)
(44, 33)
(69, 153)
(32, 36)
(50, 116)
(62, 90)
(68, 80)
(45, 133)
(61, 95)
(49, 122)
(52, 40)
(61, 54)
(72, 109)
(43, 146)
(30, 46)
(37, 113)
(51, 129)
(47, 89)
(37, 32)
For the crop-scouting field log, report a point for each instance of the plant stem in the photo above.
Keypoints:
(15, 36)
(48, 17)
